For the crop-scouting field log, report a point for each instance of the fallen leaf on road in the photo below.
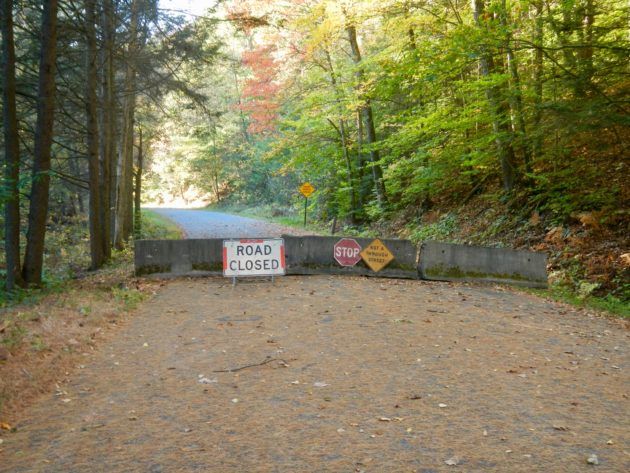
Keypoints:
(442, 405)
(320, 384)
(592, 460)
(205, 380)
(563, 428)
(453, 461)
(5, 426)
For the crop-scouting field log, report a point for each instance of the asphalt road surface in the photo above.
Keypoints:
(204, 224)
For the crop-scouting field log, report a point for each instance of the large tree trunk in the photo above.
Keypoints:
(11, 151)
(499, 110)
(38, 209)
(108, 126)
(137, 192)
(91, 105)
(537, 144)
(124, 204)
(367, 117)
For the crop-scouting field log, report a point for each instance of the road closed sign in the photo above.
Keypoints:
(263, 257)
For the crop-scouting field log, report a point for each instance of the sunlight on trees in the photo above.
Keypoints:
(388, 108)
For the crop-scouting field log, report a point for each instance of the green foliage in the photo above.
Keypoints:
(609, 303)
(156, 227)
(129, 298)
(14, 335)
(442, 230)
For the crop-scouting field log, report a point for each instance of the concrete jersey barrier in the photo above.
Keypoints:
(315, 255)
(195, 256)
(449, 262)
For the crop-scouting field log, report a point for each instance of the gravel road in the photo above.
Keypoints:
(339, 374)
(336, 374)
(204, 224)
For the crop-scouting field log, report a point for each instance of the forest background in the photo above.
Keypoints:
(495, 122)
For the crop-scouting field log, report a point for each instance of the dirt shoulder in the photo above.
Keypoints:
(339, 374)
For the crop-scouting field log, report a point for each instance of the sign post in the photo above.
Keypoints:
(306, 190)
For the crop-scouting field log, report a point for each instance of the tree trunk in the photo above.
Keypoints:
(108, 127)
(239, 103)
(516, 95)
(367, 117)
(341, 130)
(586, 53)
(500, 116)
(38, 208)
(11, 152)
(91, 106)
(137, 192)
(360, 161)
(124, 204)
(537, 144)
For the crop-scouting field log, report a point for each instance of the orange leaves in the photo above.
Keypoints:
(259, 94)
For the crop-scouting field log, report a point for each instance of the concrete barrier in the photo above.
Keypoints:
(448, 262)
(179, 257)
(303, 255)
(314, 255)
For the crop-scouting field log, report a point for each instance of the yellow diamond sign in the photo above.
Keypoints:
(307, 189)
(376, 255)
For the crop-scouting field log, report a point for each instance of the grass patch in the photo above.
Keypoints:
(128, 298)
(563, 293)
(157, 227)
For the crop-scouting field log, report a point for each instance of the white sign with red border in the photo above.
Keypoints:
(264, 257)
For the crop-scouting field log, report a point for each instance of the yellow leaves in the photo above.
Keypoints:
(5, 426)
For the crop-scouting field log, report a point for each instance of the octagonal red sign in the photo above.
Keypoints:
(347, 252)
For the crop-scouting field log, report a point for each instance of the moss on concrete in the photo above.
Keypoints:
(152, 269)
(455, 272)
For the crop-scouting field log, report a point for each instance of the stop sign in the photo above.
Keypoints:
(347, 252)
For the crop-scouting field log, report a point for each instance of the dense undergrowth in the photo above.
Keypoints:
(67, 256)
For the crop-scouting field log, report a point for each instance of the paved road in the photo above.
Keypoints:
(337, 375)
(204, 224)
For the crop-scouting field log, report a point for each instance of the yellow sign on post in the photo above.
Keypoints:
(307, 189)
(376, 255)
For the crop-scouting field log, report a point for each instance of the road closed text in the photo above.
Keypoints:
(253, 257)
(257, 264)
